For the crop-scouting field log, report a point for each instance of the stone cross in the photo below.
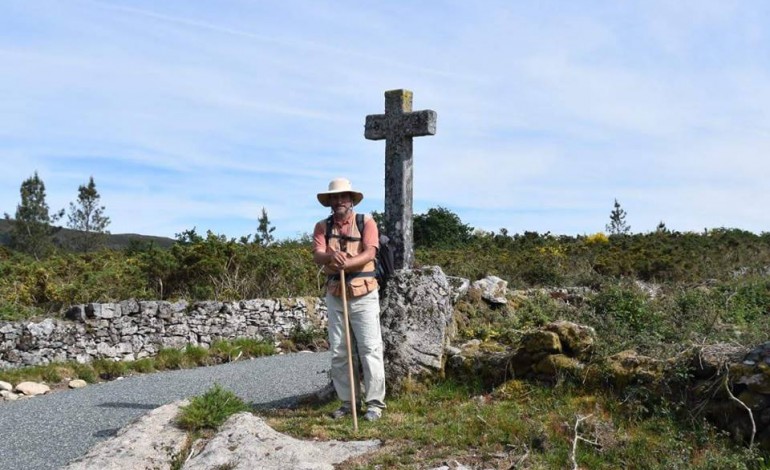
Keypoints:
(397, 126)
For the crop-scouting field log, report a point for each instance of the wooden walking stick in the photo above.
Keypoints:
(353, 402)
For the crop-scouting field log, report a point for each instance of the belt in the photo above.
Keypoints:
(336, 277)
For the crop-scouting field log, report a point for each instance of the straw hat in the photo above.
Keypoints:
(340, 185)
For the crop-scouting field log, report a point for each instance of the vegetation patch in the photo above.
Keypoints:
(166, 359)
(523, 425)
(210, 410)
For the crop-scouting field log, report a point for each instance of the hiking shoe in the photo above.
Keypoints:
(373, 414)
(340, 412)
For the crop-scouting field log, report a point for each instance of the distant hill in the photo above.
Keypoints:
(116, 241)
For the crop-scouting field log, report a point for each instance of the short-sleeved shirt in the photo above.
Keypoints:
(369, 237)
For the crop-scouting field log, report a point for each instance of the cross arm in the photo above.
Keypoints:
(414, 124)
(375, 127)
(419, 123)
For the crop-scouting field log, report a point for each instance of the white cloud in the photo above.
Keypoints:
(188, 114)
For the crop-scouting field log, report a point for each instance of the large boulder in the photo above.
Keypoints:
(417, 324)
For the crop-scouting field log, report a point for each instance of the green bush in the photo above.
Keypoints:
(85, 372)
(143, 365)
(170, 358)
(747, 301)
(197, 355)
(15, 312)
(253, 347)
(210, 410)
(310, 338)
(224, 351)
(108, 369)
(625, 305)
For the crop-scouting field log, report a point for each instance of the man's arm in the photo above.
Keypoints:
(320, 255)
(340, 260)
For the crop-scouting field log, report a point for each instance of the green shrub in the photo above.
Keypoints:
(170, 358)
(748, 300)
(143, 365)
(224, 351)
(254, 347)
(310, 338)
(16, 312)
(537, 310)
(197, 355)
(626, 305)
(108, 369)
(52, 374)
(210, 410)
(85, 372)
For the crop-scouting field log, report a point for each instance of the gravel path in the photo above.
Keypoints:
(49, 431)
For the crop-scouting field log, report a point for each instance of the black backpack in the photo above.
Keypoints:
(384, 262)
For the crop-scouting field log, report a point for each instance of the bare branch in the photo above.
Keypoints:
(751, 414)
(577, 438)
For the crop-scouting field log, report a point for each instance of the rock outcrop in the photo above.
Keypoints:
(735, 387)
(493, 289)
(244, 442)
(417, 324)
(556, 348)
(152, 441)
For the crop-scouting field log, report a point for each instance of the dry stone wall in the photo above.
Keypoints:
(133, 329)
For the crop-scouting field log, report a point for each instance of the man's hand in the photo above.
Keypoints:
(338, 260)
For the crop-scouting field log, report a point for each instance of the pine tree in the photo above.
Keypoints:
(264, 235)
(32, 228)
(87, 217)
(618, 225)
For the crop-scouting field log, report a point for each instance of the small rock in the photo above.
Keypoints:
(541, 341)
(5, 386)
(554, 363)
(758, 383)
(577, 340)
(493, 289)
(31, 389)
(7, 395)
(452, 351)
(77, 383)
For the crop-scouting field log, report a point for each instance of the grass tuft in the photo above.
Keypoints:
(210, 410)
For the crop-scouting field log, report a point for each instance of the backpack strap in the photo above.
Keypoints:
(330, 223)
(360, 225)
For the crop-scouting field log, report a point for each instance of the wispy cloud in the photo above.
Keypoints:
(194, 114)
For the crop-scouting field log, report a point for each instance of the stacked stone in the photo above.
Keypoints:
(542, 354)
(750, 383)
(133, 329)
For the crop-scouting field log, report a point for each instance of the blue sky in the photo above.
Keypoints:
(192, 113)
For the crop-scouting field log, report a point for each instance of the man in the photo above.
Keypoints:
(344, 248)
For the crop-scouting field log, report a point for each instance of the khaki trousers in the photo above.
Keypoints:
(366, 346)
